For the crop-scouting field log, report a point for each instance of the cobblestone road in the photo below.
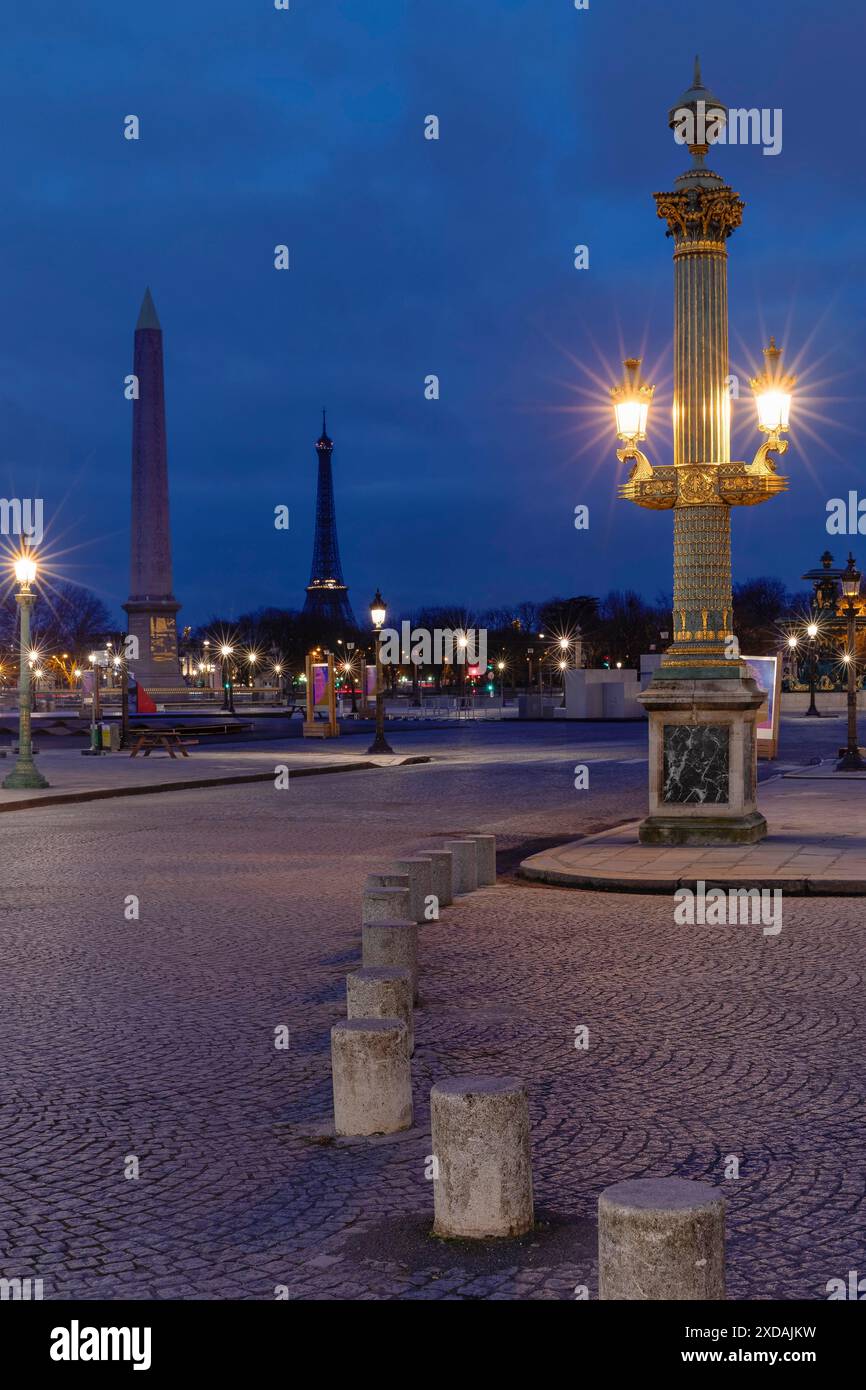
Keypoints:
(155, 1038)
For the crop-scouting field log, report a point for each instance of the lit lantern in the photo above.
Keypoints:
(773, 392)
(631, 403)
(25, 570)
(377, 611)
(851, 580)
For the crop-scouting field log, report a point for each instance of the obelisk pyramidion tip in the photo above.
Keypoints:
(147, 317)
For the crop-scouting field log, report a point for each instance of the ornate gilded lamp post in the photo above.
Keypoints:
(701, 703)
(25, 773)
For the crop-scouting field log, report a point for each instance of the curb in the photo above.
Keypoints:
(816, 887)
(234, 779)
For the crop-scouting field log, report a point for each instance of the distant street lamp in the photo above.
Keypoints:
(25, 772)
(851, 760)
(228, 686)
(350, 667)
(377, 618)
(812, 634)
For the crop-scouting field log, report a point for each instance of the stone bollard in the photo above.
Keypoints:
(385, 905)
(381, 991)
(441, 861)
(481, 1144)
(420, 873)
(392, 944)
(485, 849)
(661, 1239)
(387, 879)
(464, 871)
(372, 1076)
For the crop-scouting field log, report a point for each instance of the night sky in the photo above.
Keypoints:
(411, 257)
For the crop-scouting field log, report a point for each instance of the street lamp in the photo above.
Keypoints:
(377, 618)
(228, 686)
(631, 403)
(278, 672)
(350, 668)
(812, 633)
(702, 703)
(25, 772)
(851, 760)
(772, 390)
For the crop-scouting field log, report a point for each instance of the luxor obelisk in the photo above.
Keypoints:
(151, 606)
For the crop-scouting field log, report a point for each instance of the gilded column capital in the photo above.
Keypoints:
(705, 214)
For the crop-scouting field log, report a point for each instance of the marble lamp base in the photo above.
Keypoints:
(703, 762)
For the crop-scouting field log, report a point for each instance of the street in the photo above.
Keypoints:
(153, 1038)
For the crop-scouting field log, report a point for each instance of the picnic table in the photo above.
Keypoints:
(173, 741)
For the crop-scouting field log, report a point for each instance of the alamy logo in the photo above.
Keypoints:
(846, 518)
(855, 1288)
(444, 645)
(736, 907)
(22, 516)
(77, 1343)
(20, 1290)
(744, 126)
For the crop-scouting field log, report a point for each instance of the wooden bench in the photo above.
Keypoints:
(172, 740)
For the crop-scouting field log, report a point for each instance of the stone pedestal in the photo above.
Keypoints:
(420, 874)
(480, 1128)
(703, 766)
(485, 859)
(385, 904)
(441, 869)
(661, 1239)
(371, 1075)
(392, 944)
(464, 866)
(381, 992)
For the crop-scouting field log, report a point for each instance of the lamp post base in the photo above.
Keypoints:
(24, 775)
(702, 762)
(852, 761)
(704, 830)
(380, 745)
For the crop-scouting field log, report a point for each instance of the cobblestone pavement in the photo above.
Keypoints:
(155, 1038)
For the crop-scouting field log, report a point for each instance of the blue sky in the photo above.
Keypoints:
(410, 257)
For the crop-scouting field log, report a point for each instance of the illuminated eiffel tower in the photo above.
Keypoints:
(327, 595)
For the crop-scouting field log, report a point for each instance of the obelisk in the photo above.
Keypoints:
(151, 606)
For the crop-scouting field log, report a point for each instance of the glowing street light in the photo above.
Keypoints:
(226, 651)
(631, 403)
(851, 761)
(378, 613)
(698, 677)
(773, 389)
(25, 772)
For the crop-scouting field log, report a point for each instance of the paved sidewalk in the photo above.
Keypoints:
(72, 777)
(816, 844)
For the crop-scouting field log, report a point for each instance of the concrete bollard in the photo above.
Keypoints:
(464, 869)
(420, 873)
(389, 878)
(481, 1143)
(441, 861)
(394, 945)
(371, 1075)
(661, 1239)
(485, 850)
(385, 905)
(381, 991)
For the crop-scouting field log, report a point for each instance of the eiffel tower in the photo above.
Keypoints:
(327, 595)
